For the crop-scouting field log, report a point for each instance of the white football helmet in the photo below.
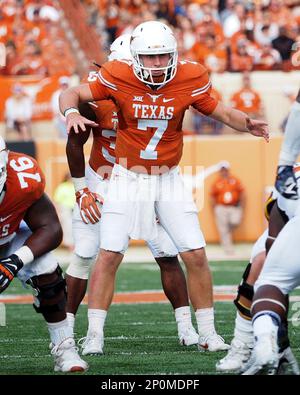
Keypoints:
(153, 38)
(3, 163)
(120, 48)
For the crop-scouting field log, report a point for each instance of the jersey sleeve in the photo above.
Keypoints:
(204, 102)
(103, 86)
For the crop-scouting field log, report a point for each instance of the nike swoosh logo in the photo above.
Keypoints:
(167, 100)
(2, 219)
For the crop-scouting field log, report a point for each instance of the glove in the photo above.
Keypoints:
(286, 183)
(9, 267)
(87, 202)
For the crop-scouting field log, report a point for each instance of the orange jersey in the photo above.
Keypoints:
(227, 191)
(24, 185)
(104, 136)
(150, 121)
(246, 100)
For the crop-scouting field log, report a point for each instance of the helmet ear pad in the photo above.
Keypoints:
(153, 38)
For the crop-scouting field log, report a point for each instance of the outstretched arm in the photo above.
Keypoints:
(240, 121)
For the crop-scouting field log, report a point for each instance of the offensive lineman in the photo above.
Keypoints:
(25, 250)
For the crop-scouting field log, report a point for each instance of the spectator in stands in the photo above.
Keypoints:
(266, 30)
(58, 118)
(241, 60)
(64, 198)
(18, 113)
(215, 56)
(247, 99)
(267, 58)
(232, 22)
(228, 201)
(283, 44)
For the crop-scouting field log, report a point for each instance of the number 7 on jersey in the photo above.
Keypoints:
(161, 126)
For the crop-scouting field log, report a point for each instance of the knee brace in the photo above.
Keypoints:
(79, 267)
(247, 292)
(50, 292)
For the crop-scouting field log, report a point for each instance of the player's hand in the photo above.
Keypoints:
(286, 183)
(78, 122)
(9, 267)
(258, 128)
(87, 202)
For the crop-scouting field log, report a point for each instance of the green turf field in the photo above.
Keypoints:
(139, 338)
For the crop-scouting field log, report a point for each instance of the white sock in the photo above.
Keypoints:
(59, 331)
(183, 317)
(263, 325)
(290, 148)
(205, 321)
(71, 320)
(243, 330)
(96, 319)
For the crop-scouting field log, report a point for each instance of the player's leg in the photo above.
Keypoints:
(114, 242)
(180, 220)
(174, 284)
(45, 277)
(242, 342)
(86, 247)
(279, 276)
(86, 242)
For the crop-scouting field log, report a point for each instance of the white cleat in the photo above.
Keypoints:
(265, 357)
(188, 336)
(66, 357)
(212, 342)
(288, 364)
(236, 358)
(92, 344)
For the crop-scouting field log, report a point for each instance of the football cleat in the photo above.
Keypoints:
(188, 336)
(264, 359)
(212, 342)
(288, 364)
(92, 344)
(236, 358)
(66, 357)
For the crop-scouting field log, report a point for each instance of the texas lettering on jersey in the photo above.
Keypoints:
(150, 122)
(24, 185)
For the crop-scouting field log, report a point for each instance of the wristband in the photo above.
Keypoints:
(79, 183)
(25, 254)
(70, 111)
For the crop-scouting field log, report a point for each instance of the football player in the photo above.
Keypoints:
(278, 212)
(281, 270)
(152, 94)
(91, 183)
(25, 250)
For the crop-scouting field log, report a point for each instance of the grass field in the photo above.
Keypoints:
(139, 338)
